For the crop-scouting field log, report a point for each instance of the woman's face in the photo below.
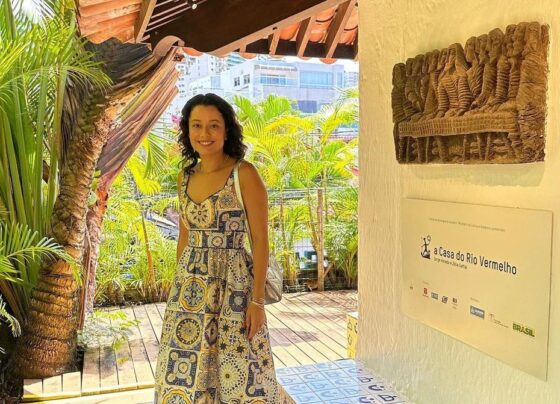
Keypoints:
(207, 130)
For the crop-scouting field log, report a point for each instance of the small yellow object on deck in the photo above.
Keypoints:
(352, 332)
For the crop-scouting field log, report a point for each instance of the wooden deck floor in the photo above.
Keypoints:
(305, 328)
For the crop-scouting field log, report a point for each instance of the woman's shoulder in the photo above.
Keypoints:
(247, 168)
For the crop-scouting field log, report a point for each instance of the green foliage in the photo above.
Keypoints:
(103, 328)
(39, 60)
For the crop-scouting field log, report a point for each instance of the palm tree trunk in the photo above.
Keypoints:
(94, 221)
(49, 340)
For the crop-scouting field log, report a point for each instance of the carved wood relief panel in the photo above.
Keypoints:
(481, 103)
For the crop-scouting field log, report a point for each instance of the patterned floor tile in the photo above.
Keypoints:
(305, 398)
(286, 380)
(319, 385)
(329, 395)
(295, 389)
(326, 366)
(312, 376)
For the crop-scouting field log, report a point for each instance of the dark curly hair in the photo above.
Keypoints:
(233, 146)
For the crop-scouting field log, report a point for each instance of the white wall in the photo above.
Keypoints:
(424, 364)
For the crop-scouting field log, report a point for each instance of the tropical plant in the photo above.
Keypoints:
(37, 61)
(342, 233)
(103, 327)
(134, 254)
(292, 150)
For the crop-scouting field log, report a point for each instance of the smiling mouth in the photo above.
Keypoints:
(206, 143)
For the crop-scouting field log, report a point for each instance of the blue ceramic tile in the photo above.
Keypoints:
(304, 369)
(305, 398)
(345, 382)
(285, 371)
(375, 388)
(289, 379)
(351, 391)
(326, 366)
(366, 399)
(312, 376)
(335, 374)
(363, 379)
(352, 371)
(319, 385)
(344, 363)
(389, 398)
(343, 401)
(328, 395)
(297, 388)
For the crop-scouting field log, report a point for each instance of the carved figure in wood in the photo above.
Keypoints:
(485, 103)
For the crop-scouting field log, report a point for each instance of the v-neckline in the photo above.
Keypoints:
(212, 194)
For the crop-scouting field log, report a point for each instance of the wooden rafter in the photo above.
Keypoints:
(312, 50)
(303, 35)
(273, 42)
(107, 6)
(337, 26)
(143, 19)
(253, 19)
(355, 45)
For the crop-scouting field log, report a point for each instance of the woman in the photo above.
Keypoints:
(214, 346)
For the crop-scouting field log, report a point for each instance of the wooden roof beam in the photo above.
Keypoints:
(273, 42)
(143, 19)
(289, 48)
(236, 22)
(337, 27)
(303, 35)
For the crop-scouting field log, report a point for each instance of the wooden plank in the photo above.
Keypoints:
(142, 367)
(152, 350)
(303, 35)
(109, 381)
(32, 389)
(309, 340)
(145, 326)
(303, 353)
(312, 50)
(95, 18)
(333, 318)
(282, 356)
(330, 340)
(112, 24)
(125, 367)
(91, 375)
(155, 319)
(143, 19)
(107, 6)
(273, 42)
(134, 331)
(52, 387)
(71, 384)
(337, 26)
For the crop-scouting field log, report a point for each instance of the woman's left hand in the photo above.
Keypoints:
(255, 317)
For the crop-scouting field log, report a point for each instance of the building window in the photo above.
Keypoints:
(246, 79)
(307, 106)
(316, 79)
(236, 82)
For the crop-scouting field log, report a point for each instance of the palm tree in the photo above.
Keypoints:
(320, 161)
(87, 111)
(270, 150)
(37, 62)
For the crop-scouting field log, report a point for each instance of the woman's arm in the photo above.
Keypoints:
(183, 230)
(255, 200)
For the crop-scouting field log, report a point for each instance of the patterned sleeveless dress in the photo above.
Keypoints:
(205, 355)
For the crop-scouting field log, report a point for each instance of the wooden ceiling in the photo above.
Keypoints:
(327, 29)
